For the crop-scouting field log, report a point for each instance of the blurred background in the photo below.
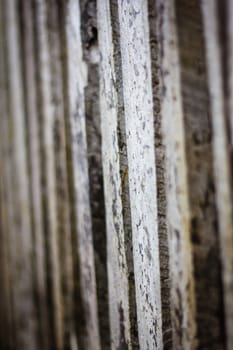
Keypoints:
(116, 132)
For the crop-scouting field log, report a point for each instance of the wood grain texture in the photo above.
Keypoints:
(160, 156)
(137, 91)
(115, 167)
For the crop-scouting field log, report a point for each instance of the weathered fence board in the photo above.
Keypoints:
(77, 79)
(91, 56)
(115, 167)
(137, 90)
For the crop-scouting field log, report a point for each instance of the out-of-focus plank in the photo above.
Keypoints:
(221, 154)
(62, 194)
(21, 247)
(137, 90)
(77, 79)
(115, 168)
(6, 319)
(178, 215)
(46, 110)
(34, 156)
(201, 181)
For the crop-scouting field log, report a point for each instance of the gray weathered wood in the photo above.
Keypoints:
(77, 79)
(115, 168)
(89, 33)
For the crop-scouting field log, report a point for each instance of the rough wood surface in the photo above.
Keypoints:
(160, 155)
(137, 91)
(115, 167)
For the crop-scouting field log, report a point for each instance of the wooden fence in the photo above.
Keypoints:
(116, 138)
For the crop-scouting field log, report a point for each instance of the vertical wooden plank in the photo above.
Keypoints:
(115, 167)
(178, 215)
(221, 155)
(46, 109)
(20, 229)
(201, 181)
(34, 156)
(89, 33)
(137, 89)
(62, 195)
(77, 79)
(160, 156)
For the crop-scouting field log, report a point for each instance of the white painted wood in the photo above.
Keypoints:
(77, 78)
(20, 229)
(114, 187)
(47, 120)
(137, 89)
(178, 215)
(221, 156)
